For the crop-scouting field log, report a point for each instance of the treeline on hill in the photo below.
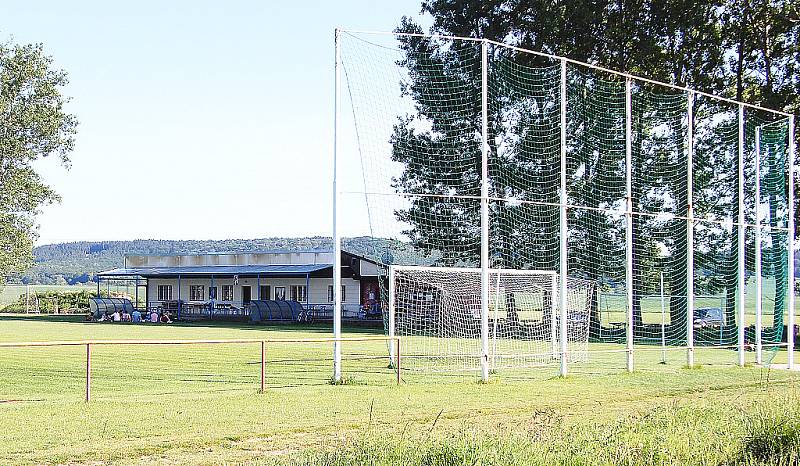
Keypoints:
(78, 262)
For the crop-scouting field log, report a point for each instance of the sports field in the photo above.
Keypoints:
(200, 404)
(10, 294)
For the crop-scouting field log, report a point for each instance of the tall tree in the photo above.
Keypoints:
(745, 49)
(33, 124)
(636, 36)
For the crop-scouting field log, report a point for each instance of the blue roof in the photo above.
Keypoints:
(275, 269)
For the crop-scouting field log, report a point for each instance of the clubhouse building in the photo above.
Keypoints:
(191, 286)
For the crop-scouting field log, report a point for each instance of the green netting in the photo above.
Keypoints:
(417, 126)
(770, 214)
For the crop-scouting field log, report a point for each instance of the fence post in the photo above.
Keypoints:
(88, 372)
(263, 363)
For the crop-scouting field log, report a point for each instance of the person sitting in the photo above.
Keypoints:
(103, 318)
(154, 316)
(125, 316)
(116, 317)
(165, 318)
(136, 316)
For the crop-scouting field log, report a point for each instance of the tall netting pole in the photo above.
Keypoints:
(689, 230)
(628, 228)
(757, 241)
(553, 320)
(337, 241)
(562, 231)
(484, 213)
(790, 252)
(391, 323)
(740, 283)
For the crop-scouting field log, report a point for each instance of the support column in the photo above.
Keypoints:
(210, 300)
(690, 231)
(790, 288)
(562, 234)
(179, 297)
(759, 292)
(628, 228)
(484, 213)
(337, 242)
(740, 283)
(308, 289)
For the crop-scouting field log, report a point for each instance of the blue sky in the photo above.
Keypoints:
(198, 120)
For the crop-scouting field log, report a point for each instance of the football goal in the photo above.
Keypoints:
(437, 313)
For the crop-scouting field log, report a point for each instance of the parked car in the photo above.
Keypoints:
(708, 317)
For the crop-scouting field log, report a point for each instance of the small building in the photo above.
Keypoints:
(225, 284)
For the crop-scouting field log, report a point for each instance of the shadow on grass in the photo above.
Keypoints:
(322, 328)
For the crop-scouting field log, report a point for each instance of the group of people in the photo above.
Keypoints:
(136, 316)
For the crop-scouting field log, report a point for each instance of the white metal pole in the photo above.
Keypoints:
(740, 243)
(599, 312)
(689, 230)
(663, 323)
(337, 241)
(563, 271)
(553, 320)
(392, 300)
(628, 227)
(790, 270)
(484, 213)
(759, 292)
(494, 321)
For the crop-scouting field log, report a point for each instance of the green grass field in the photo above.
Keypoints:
(200, 405)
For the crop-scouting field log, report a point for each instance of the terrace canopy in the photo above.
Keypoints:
(136, 274)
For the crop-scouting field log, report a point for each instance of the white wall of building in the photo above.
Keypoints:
(318, 292)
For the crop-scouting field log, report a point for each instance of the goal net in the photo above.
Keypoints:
(437, 312)
(463, 153)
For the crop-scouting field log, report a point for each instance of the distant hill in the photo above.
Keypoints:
(71, 263)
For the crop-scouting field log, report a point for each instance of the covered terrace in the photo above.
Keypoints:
(191, 291)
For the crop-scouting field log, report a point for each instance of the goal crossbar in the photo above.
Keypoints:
(425, 268)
